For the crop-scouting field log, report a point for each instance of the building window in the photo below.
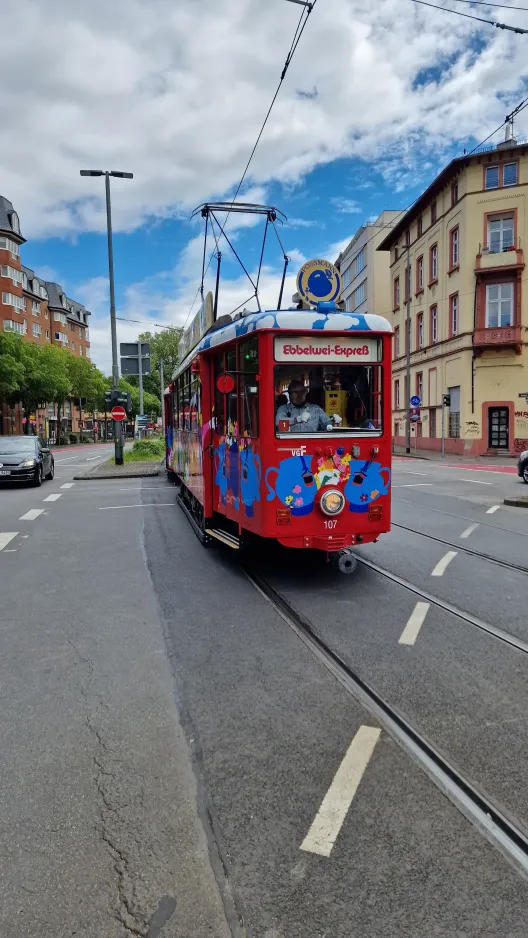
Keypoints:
(60, 317)
(72, 327)
(46, 314)
(492, 177)
(434, 324)
(17, 302)
(420, 330)
(15, 223)
(36, 287)
(453, 316)
(348, 304)
(47, 333)
(396, 252)
(419, 274)
(510, 174)
(499, 305)
(396, 428)
(24, 280)
(419, 385)
(455, 254)
(454, 193)
(9, 245)
(35, 308)
(396, 293)
(358, 295)
(64, 301)
(396, 395)
(12, 274)
(36, 330)
(500, 233)
(433, 211)
(432, 423)
(19, 327)
(433, 263)
(44, 293)
(397, 342)
(359, 262)
(346, 277)
(73, 346)
(80, 350)
(419, 226)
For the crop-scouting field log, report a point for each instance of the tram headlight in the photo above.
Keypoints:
(332, 502)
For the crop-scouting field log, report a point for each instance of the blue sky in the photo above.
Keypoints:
(378, 98)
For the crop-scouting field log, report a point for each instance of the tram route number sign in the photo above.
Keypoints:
(118, 413)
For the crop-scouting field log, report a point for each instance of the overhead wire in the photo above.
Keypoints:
(469, 16)
(299, 30)
(502, 6)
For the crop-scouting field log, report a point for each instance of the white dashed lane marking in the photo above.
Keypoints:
(68, 485)
(469, 530)
(493, 509)
(6, 537)
(32, 514)
(443, 564)
(416, 620)
(52, 498)
(329, 819)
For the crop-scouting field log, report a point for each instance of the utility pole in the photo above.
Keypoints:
(140, 360)
(118, 425)
(162, 382)
(443, 426)
(408, 343)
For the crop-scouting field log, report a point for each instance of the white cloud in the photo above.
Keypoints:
(346, 206)
(176, 93)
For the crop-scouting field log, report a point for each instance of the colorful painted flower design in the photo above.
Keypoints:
(299, 502)
(289, 499)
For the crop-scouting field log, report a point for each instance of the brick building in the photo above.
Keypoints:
(41, 313)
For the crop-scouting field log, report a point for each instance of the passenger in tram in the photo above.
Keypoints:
(301, 415)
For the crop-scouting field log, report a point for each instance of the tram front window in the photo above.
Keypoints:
(328, 398)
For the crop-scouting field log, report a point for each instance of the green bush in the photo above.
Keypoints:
(63, 440)
(149, 448)
(74, 438)
(83, 438)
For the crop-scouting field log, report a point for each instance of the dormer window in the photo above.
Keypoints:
(15, 223)
(64, 301)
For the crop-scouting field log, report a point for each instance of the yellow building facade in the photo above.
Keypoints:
(458, 254)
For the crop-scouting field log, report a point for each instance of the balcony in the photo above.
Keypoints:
(500, 337)
(496, 258)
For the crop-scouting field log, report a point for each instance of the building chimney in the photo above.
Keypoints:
(509, 139)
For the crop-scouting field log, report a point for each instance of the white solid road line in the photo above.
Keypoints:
(32, 514)
(90, 458)
(416, 620)
(69, 459)
(329, 819)
(413, 472)
(442, 564)
(6, 537)
(493, 509)
(146, 505)
(68, 485)
(52, 498)
(469, 530)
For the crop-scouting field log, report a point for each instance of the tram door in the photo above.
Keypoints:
(498, 428)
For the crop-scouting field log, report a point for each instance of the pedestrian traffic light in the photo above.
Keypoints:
(446, 400)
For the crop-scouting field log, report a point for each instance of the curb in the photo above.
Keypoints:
(122, 475)
(518, 501)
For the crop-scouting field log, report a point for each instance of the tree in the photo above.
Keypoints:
(151, 403)
(87, 383)
(12, 371)
(46, 377)
(163, 346)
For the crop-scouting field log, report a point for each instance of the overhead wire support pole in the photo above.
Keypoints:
(408, 347)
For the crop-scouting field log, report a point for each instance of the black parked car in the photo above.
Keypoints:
(522, 466)
(25, 459)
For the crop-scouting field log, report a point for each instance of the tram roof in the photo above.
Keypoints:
(287, 321)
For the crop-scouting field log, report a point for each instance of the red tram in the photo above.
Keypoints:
(279, 425)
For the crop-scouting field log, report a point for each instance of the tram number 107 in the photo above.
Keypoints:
(330, 525)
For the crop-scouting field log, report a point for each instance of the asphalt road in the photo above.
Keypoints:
(176, 762)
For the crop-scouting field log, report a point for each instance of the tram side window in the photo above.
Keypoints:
(195, 403)
(185, 401)
(248, 387)
(219, 397)
(231, 399)
(176, 414)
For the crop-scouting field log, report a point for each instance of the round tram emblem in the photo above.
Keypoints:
(318, 282)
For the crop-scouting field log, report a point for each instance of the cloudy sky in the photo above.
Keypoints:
(380, 94)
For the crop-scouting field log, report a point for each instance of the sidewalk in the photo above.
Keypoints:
(449, 458)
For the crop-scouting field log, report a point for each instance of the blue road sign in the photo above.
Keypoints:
(416, 401)
(415, 418)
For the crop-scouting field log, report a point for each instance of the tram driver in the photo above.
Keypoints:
(302, 416)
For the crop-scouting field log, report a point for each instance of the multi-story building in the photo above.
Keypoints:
(456, 279)
(364, 272)
(41, 313)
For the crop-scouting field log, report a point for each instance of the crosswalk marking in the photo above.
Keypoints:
(6, 537)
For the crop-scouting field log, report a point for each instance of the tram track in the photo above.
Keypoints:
(451, 514)
(461, 548)
(504, 831)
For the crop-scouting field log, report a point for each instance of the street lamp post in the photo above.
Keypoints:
(118, 425)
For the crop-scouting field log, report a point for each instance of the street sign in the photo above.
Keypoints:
(130, 349)
(118, 413)
(415, 417)
(130, 366)
(142, 419)
(416, 401)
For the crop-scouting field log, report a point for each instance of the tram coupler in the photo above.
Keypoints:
(347, 561)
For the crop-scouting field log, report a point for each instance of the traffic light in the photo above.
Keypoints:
(446, 400)
(115, 398)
